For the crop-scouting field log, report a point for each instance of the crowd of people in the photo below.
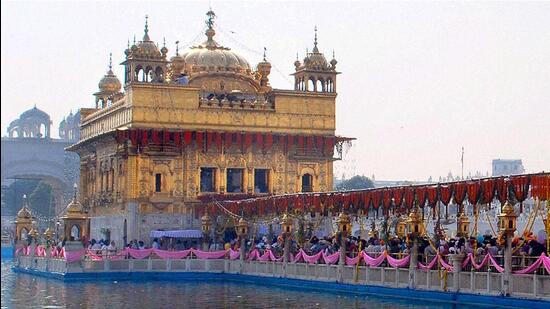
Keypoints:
(525, 246)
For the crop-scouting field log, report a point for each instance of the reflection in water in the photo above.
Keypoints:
(26, 291)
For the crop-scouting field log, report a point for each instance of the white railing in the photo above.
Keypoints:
(532, 286)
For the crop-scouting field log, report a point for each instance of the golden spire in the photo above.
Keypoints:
(177, 48)
(210, 31)
(265, 49)
(111, 63)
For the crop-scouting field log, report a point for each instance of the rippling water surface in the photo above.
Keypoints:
(26, 291)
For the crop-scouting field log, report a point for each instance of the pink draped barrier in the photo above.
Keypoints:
(331, 259)
(23, 251)
(164, 254)
(73, 256)
(353, 261)
(254, 254)
(429, 265)
(373, 262)
(274, 258)
(139, 254)
(546, 262)
(234, 254)
(209, 255)
(311, 259)
(398, 262)
(542, 260)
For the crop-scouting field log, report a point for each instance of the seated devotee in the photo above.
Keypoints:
(111, 248)
(156, 244)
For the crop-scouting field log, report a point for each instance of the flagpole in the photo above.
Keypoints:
(462, 162)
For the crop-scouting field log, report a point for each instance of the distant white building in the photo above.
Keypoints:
(507, 167)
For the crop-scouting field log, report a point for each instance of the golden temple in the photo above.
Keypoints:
(203, 123)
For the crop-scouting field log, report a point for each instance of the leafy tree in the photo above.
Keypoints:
(40, 199)
(12, 195)
(355, 183)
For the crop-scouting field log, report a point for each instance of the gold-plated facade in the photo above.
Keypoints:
(212, 93)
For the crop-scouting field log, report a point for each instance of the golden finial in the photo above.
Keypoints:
(315, 50)
(146, 31)
(297, 59)
(177, 48)
(134, 39)
(163, 42)
(128, 43)
(146, 24)
(265, 49)
(210, 21)
(110, 61)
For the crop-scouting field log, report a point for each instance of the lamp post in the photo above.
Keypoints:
(242, 231)
(401, 227)
(415, 229)
(344, 229)
(286, 224)
(463, 225)
(206, 224)
(507, 227)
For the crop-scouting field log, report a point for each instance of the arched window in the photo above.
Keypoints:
(320, 85)
(311, 84)
(149, 74)
(307, 183)
(140, 74)
(75, 232)
(330, 85)
(159, 75)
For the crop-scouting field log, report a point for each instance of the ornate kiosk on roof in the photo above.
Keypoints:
(204, 124)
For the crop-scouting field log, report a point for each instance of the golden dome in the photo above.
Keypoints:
(212, 57)
(146, 48)
(109, 83)
(74, 209)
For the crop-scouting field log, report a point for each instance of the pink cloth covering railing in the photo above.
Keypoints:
(164, 254)
(433, 262)
(139, 254)
(209, 254)
(73, 256)
(234, 254)
(267, 256)
(331, 259)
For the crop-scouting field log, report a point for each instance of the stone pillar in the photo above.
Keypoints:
(132, 223)
(242, 253)
(33, 247)
(286, 254)
(413, 264)
(506, 276)
(342, 259)
(456, 260)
